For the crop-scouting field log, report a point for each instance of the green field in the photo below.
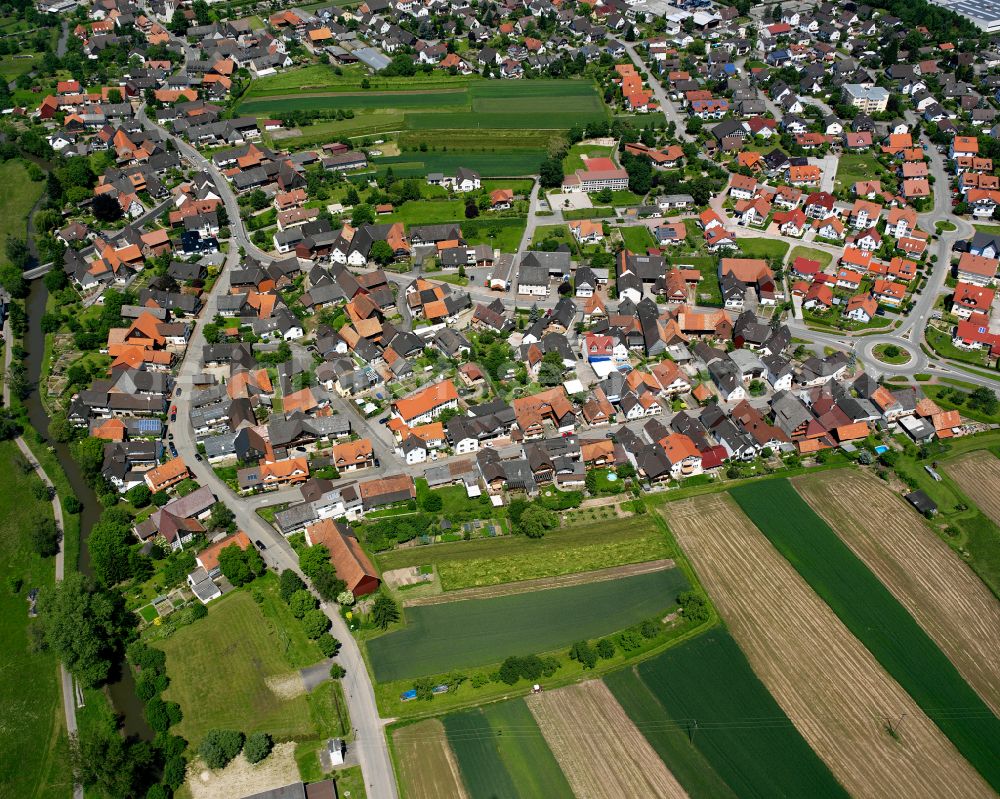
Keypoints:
(32, 737)
(502, 754)
(469, 633)
(323, 79)
(487, 162)
(19, 198)
(481, 105)
(503, 233)
(220, 668)
(637, 239)
(450, 98)
(474, 743)
(854, 167)
(822, 256)
(762, 248)
(585, 547)
(670, 740)
(741, 731)
(877, 619)
(524, 752)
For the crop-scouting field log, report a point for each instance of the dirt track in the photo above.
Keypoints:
(978, 475)
(829, 685)
(527, 586)
(427, 764)
(598, 747)
(927, 578)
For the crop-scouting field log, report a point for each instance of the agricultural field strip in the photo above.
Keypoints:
(877, 619)
(472, 633)
(475, 746)
(541, 584)
(978, 475)
(953, 605)
(428, 768)
(600, 750)
(524, 751)
(829, 685)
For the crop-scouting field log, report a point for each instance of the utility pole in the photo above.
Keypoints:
(692, 729)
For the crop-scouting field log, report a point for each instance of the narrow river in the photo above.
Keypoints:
(123, 696)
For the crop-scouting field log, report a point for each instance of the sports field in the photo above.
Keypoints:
(710, 694)
(828, 684)
(877, 619)
(457, 635)
(580, 548)
(930, 581)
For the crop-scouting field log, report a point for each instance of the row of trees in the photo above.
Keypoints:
(305, 607)
(219, 747)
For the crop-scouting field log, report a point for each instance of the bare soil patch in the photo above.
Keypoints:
(945, 597)
(978, 475)
(286, 686)
(598, 748)
(831, 687)
(428, 767)
(527, 586)
(240, 778)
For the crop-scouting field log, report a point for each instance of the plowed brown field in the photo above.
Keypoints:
(598, 747)
(427, 764)
(829, 685)
(978, 475)
(929, 580)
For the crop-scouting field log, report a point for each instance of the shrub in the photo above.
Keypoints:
(219, 747)
(257, 747)
(315, 623)
(288, 584)
(328, 645)
(432, 503)
(337, 671)
(175, 772)
(649, 629)
(301, 603)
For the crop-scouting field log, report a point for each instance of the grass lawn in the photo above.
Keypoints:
(364, 123)
(947, 399)
(584, 547)
(877, 619)
(708, 291)
(465, 634)
(488, 158)
(988, 228)
(220, 667)
(637, 238)
(426, 212)
(559, 233)
(519, 187)
(32, 734)
(574, 158)
(853, 167)
(890, 353)
(708, 679)
(822, 256)
(503, 233)
(763, 248)
(941, 343)
(16, 63)
(20, 197)
(456, 504)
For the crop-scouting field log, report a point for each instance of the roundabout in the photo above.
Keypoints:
(890, 355)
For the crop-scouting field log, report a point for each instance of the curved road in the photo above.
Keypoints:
(369, 739)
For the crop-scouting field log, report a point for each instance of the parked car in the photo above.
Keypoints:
(177, 391)
(173, 449)
(260, 545)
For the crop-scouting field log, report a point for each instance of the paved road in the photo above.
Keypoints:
(65, 680)
(370, 743)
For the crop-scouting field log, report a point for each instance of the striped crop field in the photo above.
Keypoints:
(879, 621)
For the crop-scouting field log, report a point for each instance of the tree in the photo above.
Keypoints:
(101, 759)
(362, 215)
(535, 520)
(108, 544)
(337, 671)
(221, 517)
(384, 611)
(315, 623)
(240, 566)
(258, 746)
(106, 208)
(432, 503)
(12, 280)
(139, 495)
(328, 645)
(550, 172)
(84, 626)
(89, 454)
(161, 715)
(471, 209)
(381, 252)
(45, 537)
(584, 653)
(288, 584)
(219, 747)
(301, 602)
(605, 649)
